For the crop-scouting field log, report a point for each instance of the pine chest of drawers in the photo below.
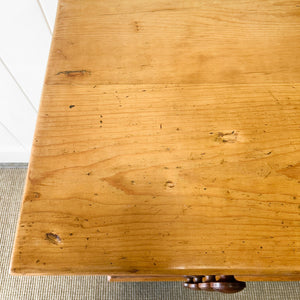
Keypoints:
(167, 144)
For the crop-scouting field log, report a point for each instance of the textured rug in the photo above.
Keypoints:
(97, 287)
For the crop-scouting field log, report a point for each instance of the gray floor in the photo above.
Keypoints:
(96, 287)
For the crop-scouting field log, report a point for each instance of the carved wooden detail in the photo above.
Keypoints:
(225, 284)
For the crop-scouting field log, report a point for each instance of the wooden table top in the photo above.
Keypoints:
(167, 141)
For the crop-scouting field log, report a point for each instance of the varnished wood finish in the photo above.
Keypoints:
(206, 284)
(225, 284)
(167, 142)
(150, 278)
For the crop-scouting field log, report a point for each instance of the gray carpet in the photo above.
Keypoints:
(97, 287)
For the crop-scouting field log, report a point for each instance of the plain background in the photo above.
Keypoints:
(26, 28)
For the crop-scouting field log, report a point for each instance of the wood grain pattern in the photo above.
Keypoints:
(167, 142)
(153, 278)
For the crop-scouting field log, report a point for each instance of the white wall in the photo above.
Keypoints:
(25, 35)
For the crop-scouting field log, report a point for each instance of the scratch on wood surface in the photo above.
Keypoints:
(74, 73)
(228, 137)
(275, 99)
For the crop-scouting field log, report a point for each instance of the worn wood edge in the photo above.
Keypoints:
(12, 261)
(150, 278)
(113, 278)
(240, 273)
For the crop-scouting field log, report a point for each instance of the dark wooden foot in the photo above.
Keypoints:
(206, 284)
(225, 284)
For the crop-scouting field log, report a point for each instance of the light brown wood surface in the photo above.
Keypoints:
(167, 142)
(153, 278)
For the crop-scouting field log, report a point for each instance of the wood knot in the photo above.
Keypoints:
(53, 238)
